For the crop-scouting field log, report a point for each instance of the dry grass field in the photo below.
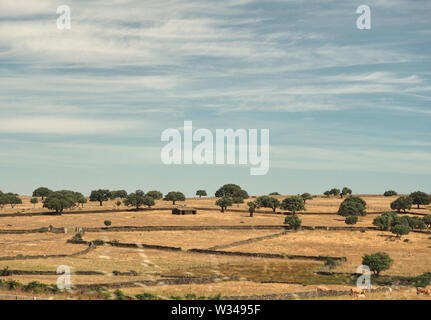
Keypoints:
(231, 275)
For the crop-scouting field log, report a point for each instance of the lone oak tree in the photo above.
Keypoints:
(201, 193)
(175, 196)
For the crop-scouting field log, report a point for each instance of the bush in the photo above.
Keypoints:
(5, 272)
(351, 220)
(119, 295)
(107, 223)
(377, 262)
(293, 221)
(146, 296)
(352, 206)
(98, 242)
(77, 237)
(329, 262)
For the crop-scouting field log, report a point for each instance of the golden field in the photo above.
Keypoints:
(253, 275)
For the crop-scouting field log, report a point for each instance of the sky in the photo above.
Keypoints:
(85, 108)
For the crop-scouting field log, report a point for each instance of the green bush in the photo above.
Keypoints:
(107, 223)
(293, 221)
(146, 296)
(119, 295)
(351, 219)
(98, 242)
(77, 237)
(329, 262)
(5, 272)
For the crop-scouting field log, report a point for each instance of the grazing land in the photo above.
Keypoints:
(150, 252)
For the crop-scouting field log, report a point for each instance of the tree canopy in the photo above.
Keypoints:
(377, 262)
(420, 198)
(390, 193)
(138, 199)
(306, 196)
(122, 194)
(223, 203)
(175, 196)
(293, 204)
(201, 193)
(352, 206)
(60, 200)
(268, 202)
(9, 198)
(231, 190)
(156, 195)
(402, 203)
(41, 192)
(346, 191)
(100, 195)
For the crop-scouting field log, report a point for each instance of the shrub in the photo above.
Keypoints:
(77, 237)
(352, 206)
(98, 242)
(351, 220)
(5, 272)
(119, 295)
(293, 221)
(329, 262)
(107, 223)
(146, 296)
(377, 262)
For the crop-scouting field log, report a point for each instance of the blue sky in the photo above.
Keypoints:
(84, 108)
